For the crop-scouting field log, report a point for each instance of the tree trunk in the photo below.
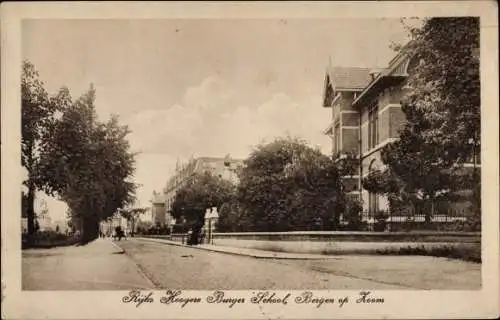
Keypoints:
(30, 211)
(90, 229)
(132, 227)
(336, 220)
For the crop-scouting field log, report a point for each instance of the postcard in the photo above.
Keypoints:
(250, 160)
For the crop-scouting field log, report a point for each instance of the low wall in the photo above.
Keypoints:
(331, 242)
(339, 236)
(343, 247)
(343, 241)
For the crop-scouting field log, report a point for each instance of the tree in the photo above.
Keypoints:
(132, 215)
(88, 164)
(442, 109)
(37, 112)
(24, 205)
(232, 218)
(286, 185)
(144, 226)
(201, 191)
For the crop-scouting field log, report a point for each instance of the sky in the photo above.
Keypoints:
(204, 87)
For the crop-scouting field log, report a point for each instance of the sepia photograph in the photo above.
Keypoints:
(264, 154)
(274, 149)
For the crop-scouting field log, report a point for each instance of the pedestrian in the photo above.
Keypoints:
(118, 233)
(202, 235)
(189, 237)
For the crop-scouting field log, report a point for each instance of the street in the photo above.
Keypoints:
(194, 269)
(101, 265)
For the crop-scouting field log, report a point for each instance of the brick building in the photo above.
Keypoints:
(224, 167)
(366, 116)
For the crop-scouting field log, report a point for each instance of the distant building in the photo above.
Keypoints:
(224, 167)
(108, 226)
(158, 213)
(60, 225)
(44, 221)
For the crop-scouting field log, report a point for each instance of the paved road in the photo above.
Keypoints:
(173, 267)
(102, 265)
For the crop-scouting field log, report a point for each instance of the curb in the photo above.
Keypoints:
(117, 247)
(152, 283)
(240, 253)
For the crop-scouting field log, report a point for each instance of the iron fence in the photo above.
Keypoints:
(462, 219)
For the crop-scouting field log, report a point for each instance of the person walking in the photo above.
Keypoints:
(189, 237)
(202, 235)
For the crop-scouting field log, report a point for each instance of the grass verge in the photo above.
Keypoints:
(48, 239)
(466, 253)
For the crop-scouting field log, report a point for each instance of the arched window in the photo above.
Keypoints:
(372, 197)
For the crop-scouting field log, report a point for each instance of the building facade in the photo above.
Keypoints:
(366, 116)
(223, 167)
(158, 213)
(108, 226)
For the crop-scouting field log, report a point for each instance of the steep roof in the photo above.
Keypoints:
(349, 78)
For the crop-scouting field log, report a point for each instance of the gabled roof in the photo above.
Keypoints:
(349, 78)
(396, 71)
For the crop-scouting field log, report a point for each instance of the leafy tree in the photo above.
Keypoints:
(286, 185)
(132, 215)
(201, 191)
(88, 164)
(232, 218)
(144, 226)
(37, 111)
(442, 108)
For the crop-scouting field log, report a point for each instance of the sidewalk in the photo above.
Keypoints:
(255, 253)
(99, 265)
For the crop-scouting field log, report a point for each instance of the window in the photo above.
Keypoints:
(372, 197)
(373, 127)
(336, 136)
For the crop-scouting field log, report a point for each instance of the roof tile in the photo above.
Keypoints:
(349, 77)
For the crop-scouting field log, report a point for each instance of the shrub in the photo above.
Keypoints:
(466, 253)
(380, 221)
(50, 238)
(352, 216)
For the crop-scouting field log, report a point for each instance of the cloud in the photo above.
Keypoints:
(210, 122)
(211, 95)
